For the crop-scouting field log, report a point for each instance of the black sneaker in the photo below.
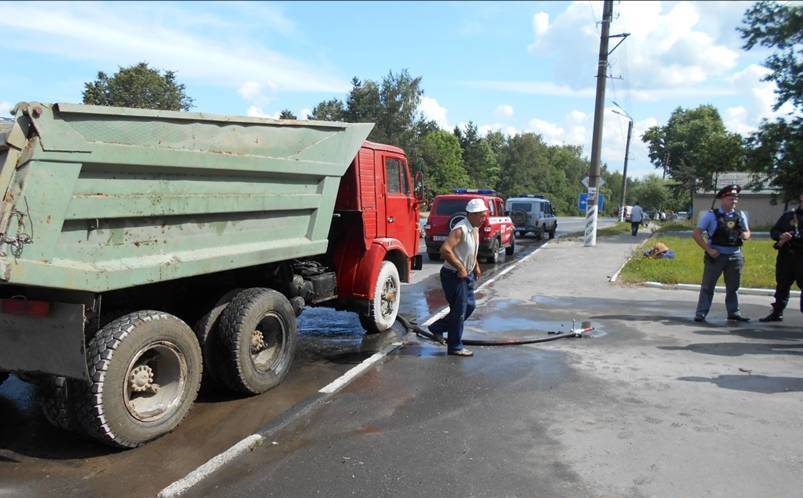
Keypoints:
(738, 318)
(699, 319)
(772, 317)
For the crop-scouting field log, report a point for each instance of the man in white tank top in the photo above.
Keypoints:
(459, 273)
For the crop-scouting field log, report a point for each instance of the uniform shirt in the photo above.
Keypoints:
(708, 224)
(636, 214)
(790, 221)
(466, 250)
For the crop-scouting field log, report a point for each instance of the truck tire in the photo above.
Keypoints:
(55, 402)
(552, 232)
(509, 250)
(145, 370)
(258, 332)
(493, 256)
(208, 334)
(387, 296)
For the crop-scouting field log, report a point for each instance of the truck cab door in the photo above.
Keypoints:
(401, 208)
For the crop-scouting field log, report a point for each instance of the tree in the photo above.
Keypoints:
(138, 86)
(478, 157)
(777, 148)
(287, 114)
(525, 157)
(651, 193)
(442, 162)
(329, 110)
(693, 147)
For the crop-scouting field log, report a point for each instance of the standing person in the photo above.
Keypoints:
(788, 232)
(726, 229)
(636, 217)
(459, 273)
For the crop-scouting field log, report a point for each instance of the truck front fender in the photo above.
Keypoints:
(380, 250)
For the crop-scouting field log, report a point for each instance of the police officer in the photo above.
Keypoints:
(788, 232)
(726, 229)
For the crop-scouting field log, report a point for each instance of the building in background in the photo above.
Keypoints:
(763, 207)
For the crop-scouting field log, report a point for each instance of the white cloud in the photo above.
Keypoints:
(304, 113)
(735, 119)
(540, 23)
(577, 117)
(5, 108)
(552, 133)
(504, 111)
(257, 112)
(434, 111)
(129, 33)
(667, 47)
(761, 94)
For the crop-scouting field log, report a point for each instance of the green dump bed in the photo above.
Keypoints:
(102, 198)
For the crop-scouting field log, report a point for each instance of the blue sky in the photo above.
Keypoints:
(515, 67)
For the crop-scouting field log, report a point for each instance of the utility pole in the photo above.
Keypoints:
(596, 141)
(627, 152)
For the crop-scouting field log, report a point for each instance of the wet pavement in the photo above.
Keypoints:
(654, 405)
(39, 460)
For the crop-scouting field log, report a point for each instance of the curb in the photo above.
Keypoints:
(693, 287)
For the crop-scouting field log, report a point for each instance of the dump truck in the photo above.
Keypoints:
(143, 250)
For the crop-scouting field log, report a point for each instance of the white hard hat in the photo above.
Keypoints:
(476, 206)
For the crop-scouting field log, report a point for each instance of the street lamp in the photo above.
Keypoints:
(627, 151)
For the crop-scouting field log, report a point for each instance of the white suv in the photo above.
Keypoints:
(532, 213)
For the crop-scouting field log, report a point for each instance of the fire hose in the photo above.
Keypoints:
(412, 326)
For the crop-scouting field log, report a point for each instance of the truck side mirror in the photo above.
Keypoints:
(418, 186)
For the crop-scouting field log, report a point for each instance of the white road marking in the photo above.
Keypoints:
(183, 485)
(347, 377)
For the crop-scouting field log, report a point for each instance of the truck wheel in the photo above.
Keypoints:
(493, 258)
(434, 256)
(145, 370)
(258, 332)
(385, 306)
(552, 233)
(207, 332)
(54, 401)
(512, 247)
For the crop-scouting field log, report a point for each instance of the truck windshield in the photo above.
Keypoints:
(521, 206)
(450, 206)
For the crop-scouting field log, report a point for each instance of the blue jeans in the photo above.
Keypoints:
(729, 264)
(460, 295)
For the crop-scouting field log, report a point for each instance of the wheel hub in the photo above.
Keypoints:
(141, 378)
(257, 342)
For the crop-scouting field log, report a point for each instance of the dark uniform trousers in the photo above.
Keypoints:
(788, 270)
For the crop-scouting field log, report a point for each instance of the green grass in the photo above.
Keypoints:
(687, 266)
(676, 226)
(620, 227)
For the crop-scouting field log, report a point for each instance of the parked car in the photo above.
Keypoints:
(532, 214)
(448, 210)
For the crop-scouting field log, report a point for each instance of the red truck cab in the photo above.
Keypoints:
(447, 210)
(375, 237)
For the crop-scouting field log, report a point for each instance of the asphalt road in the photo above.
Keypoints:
(37, 460)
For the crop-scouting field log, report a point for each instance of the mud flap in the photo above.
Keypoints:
(51, 344)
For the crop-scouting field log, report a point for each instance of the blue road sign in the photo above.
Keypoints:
(582, 203)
